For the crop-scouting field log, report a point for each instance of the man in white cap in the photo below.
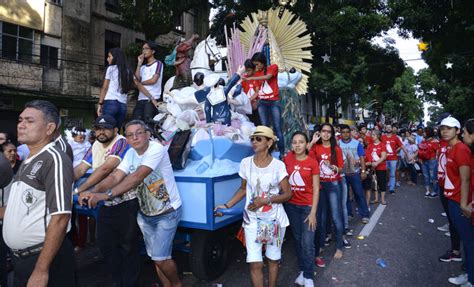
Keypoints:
(215, 96)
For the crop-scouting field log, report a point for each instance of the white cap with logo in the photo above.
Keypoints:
(450, 122)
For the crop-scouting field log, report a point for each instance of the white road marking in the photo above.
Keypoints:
(373, 221)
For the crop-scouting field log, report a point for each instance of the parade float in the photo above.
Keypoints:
(208, 176)
(206, 151)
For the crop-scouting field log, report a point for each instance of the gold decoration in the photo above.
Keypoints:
(422, 46)
(288, 48)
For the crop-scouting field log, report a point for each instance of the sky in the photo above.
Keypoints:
(407, 49)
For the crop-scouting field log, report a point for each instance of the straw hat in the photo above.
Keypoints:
(265, 132)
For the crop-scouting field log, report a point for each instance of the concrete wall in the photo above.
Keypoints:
(53, 15)
(21, 76)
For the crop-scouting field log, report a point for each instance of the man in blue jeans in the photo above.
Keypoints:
(354, 169)
(146, 169)
(393, 145)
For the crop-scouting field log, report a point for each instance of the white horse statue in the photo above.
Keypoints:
(206, 50)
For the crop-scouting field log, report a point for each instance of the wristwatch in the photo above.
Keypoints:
(109, 194)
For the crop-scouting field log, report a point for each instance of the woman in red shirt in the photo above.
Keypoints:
(468, 138)
(427, 155)
(329, 156)
(269, 99)
(376, 159)
(301, 208)
(457, 189)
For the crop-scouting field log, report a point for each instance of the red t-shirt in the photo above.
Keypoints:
(443, 146)
(301, 178)
(392, 143)
(250, 88)
(472, 187)
(269, 88)
(427, 149)
(374, 153)
(367, 140)
(457, 156)
(320, 153)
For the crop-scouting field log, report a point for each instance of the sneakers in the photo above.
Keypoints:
(448, 234)
(433, 195)
(320, 262)
(308, 282)
(468, 284)
(427, 194)
(450, 256)
(327, 241)
(346, 244)
(348, 232)
(300, 279)
(397, 184)
(443, 214)
(365, 220)
(444, 228)
(459, 280)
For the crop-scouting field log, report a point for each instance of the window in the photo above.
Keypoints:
(57, 2)
(17, 42)
(112, 40)
(112, 5)
(49, 56)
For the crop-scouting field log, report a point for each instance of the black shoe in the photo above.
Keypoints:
(450, 256)
(348, 232)
(346, 244)
(392, 191)
(327, 241)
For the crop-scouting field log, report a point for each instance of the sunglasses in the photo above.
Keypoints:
(258, 139)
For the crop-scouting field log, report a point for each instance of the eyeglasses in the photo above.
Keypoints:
(326, 131)
(135, 134)
(258, 139)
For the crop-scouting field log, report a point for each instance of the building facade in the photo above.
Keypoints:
(56, 50)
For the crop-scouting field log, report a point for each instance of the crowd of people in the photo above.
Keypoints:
(317, 179)
(311, 188)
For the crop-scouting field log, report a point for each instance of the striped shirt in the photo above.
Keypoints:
(41, 188)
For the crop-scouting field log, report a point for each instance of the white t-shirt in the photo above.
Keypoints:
(147, 72)
(158, 192)
(263, 182)
(114, 92)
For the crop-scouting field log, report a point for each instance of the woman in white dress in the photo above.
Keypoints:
(265, 187)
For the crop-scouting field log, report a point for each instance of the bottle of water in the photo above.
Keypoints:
(380, 262)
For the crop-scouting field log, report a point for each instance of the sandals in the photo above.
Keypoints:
(374, 202)
(384, 203)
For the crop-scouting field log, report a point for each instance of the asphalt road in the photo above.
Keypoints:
(403, 237)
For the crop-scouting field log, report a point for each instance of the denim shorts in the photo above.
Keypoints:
(158, 233)
(254, 249)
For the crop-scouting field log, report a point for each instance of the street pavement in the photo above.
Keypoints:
(405, 237)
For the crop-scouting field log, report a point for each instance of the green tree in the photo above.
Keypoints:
(448, 29)
(154, 17)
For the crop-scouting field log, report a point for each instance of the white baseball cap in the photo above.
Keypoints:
(450, 122)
